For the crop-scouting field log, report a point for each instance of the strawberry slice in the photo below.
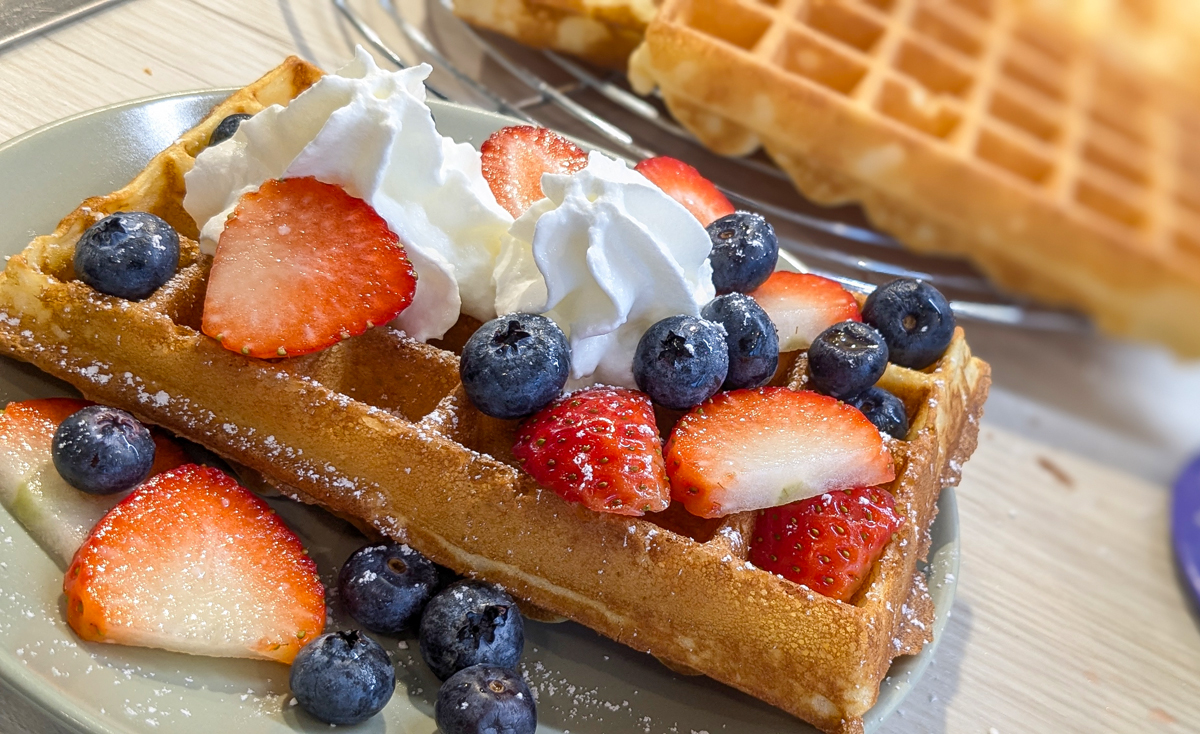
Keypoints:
(300, 266)
(26, 430)
(514, 159)
(599, 447)
(193, 562)
(56, 514)
(803, 305)
(753, 449)
(828, 543)
(685, 184)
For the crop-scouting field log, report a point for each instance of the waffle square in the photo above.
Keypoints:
(378, 430)
(967, 127)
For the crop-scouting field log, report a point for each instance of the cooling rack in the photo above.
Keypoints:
(545, 88)
(23, 19)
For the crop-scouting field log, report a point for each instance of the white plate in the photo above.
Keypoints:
(585, 684)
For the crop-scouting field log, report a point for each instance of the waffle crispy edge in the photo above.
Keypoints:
(378, 429)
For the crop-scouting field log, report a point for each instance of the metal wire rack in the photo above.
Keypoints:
(545, 88)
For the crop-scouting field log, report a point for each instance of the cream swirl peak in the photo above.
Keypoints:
(369, 131)
(606, 254)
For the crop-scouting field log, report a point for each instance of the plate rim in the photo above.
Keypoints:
(16, 679)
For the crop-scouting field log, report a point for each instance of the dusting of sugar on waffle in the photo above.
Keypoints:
(378, 430)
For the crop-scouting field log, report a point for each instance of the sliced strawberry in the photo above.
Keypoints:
(600, 447)
(300, 266)
(193, 562)
(752, 449)
(685, 184)
(828, 543)
(514, 159)
(26, 430)
(33, 416)
(56, 514)
(803, 305)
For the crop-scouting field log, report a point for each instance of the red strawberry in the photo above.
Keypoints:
(193, 562)
(26, 430)
(300, 266)
(685, 184)
(828, 543)
(803, 305)
(56, 514)
(44, 412)
(752, 449)
(600, 447)
(514, 159)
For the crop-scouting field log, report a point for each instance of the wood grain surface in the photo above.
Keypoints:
(1069, 616)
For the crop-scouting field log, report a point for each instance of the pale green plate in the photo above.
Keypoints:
(585, 684)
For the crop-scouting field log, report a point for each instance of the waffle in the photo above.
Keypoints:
(993, 129)
(378, 429)
(604, 32)
(1159, 36)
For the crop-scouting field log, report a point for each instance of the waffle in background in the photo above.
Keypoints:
(1162, 36)
(603, 32)
(377, 429)
(1159, 36)
(971, 127)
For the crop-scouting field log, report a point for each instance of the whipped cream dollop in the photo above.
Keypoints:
(605, 255)
(369, 131)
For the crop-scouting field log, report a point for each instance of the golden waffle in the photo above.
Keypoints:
(973, 127)
(377, 428)
(1160, 36)
(601, 31)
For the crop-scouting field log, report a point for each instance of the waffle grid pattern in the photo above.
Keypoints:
(963, 127)
(378, 430)
(980, 80)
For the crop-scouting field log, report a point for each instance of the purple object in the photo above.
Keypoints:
(1185, 524)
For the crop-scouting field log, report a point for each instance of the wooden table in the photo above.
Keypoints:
(1069, 617)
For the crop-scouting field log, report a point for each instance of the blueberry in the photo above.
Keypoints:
(127, 254)
(470, 623)
(744, 251)
(226, 128)
(384, 587)
(102, 450)
(485, 699)
(914, 318)
(342, 677)
(883, 409)
(681, 361)
(846, 359)
(515, 365)
(751, 337)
